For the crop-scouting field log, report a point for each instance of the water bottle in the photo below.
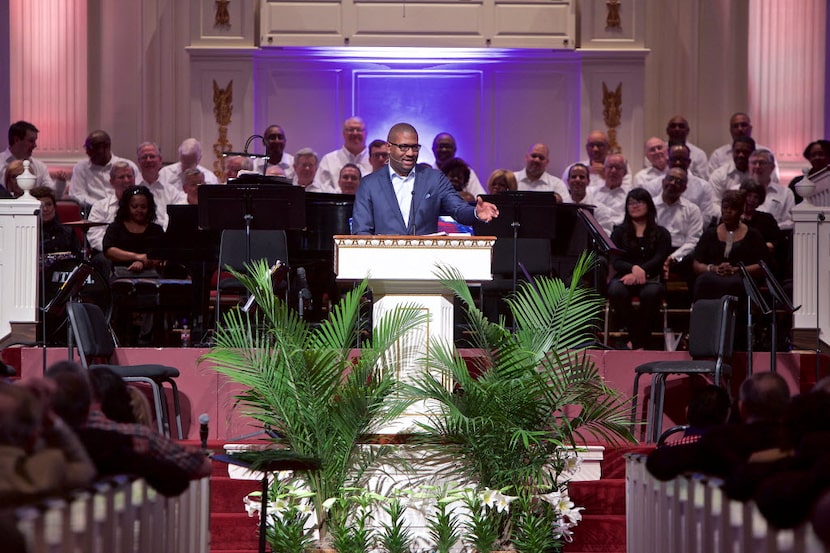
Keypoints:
(185, 334)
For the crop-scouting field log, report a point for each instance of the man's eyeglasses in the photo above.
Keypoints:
(379, 155)
(406, 147)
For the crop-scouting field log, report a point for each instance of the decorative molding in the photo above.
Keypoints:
(612, 19)
(222, 19)
(222, 111)
(612, 114)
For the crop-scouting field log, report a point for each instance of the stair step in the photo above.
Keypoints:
(226, 494)
(599, 497)
(598, 533)
(233, 531)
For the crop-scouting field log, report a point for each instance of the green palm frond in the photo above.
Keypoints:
(534, 392)
(309, 385)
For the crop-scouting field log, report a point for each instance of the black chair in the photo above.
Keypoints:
(270, 245)
(93, 337)
(711, 337)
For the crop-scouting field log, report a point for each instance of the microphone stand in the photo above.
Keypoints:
(245, 153)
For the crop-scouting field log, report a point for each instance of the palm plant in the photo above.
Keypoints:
(308, 387)
(530, 393)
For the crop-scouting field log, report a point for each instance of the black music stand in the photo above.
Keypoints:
(522, 214)
(264, 206)
(68, 291)
(779, 296)
(755, 297)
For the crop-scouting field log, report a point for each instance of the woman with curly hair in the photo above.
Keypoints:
(134, 231)
(645, 246)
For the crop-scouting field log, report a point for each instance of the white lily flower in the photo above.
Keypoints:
(252, 507)
(562, 530)
(572, 463)
(573, 515)
(503, 502)
(305, 507)
(488, 497)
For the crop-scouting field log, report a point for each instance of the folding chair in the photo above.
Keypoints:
(93, 337)
(711, 338)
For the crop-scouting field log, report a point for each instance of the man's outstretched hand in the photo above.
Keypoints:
(485, 211)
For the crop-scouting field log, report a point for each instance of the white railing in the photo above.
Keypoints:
(691, 514)
(119, 515)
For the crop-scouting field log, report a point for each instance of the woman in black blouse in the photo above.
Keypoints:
(645, 245)
(134, 232)
(55, 237)
(720, 250)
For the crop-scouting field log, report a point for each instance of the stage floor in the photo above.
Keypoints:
(202, 390)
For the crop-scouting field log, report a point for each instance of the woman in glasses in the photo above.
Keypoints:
(645, 246)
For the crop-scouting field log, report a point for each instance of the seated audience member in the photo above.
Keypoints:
(22, 144)
(305, 170)
(597, 147)
(235, 164)
(677, 130)
(134, 231)
(723, 247)
(458, 173)
(658, 158)
(708, 408)
(444, 149)
(104, 210)
(578, 180)
(730, 175)
(780, 200)
(535, 178)
(274, 171)
(39, 453)
(349, 179)
(193, 179)
(90, 177)
(353, 151)
(697, 190)
(275, 141)
(761, 221)
(190, 154)
(723, 450)
(501, 181)
(645, 247)
(150, 163)
(54, 237)
(739, 127)
(118, 447)
(378, 154)
(611, 195)
(10, 189)
(683, 221)
(796, 475)
(817, 153)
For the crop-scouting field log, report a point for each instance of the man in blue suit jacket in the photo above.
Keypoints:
(405, 198)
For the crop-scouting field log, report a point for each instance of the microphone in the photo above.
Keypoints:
(204, 419)
(252, 298)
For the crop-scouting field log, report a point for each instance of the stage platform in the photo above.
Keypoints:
(204, 391)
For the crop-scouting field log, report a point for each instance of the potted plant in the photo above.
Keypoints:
(308, 387)
(512, 421)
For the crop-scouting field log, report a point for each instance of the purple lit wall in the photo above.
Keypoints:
(496, 103)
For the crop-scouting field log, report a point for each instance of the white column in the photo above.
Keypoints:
(811, 262)
(48, 73)
(18, 263)
(786, 75)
